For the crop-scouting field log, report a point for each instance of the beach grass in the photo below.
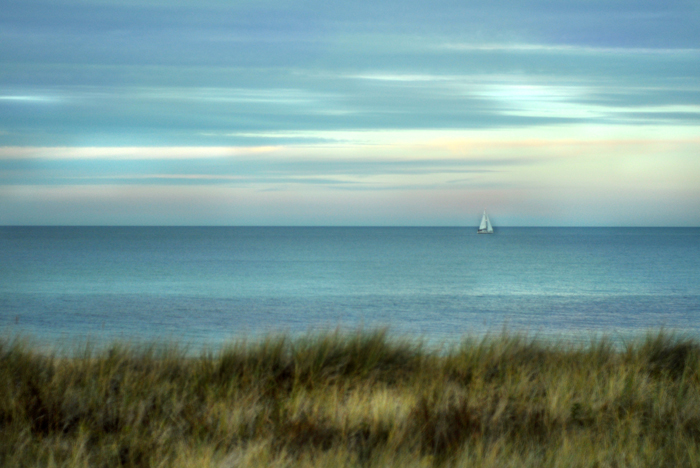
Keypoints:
(355, 399)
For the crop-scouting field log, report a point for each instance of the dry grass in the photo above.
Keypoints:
(355, 400)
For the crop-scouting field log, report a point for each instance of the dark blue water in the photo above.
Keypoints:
(206, 285)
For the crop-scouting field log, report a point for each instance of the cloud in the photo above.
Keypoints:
(567, 49)
(338, 101)
(383, 160)
(527, 105)
(30, 99)
(127, 153)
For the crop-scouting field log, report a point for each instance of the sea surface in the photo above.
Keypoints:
(203, 286)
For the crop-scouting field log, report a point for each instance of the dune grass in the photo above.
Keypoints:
(358, 399)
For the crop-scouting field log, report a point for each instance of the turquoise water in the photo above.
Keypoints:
(206, 285)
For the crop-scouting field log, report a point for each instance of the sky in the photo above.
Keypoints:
(382, 113)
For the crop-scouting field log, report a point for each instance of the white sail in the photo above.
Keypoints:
(485, 226)
(482, 226)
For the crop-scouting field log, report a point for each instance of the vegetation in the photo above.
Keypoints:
(360, 399)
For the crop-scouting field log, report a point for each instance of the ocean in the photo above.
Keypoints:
(203, 286)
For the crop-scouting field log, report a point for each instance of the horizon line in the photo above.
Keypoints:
(325, 226)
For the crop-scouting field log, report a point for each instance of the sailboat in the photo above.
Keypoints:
(485, 226)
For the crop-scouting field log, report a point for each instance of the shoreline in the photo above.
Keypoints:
(69, 345)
